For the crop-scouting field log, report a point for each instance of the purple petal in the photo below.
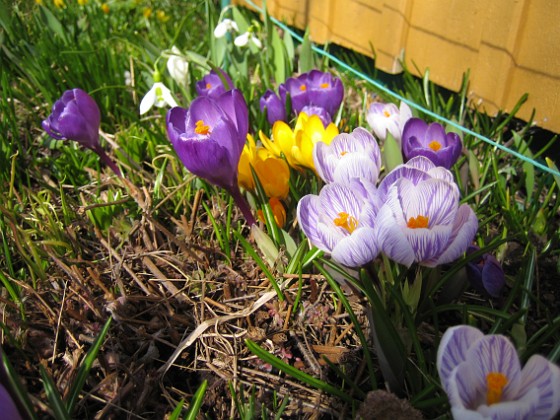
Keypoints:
(453, 348)
(7, 405)
(391, 239)
(544, 376)
(356, 249)
(464, 231)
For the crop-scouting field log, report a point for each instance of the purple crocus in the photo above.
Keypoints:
(483, 378)
(424, 223)
(386, 118)
(212, 84)
(340, 221)
(485, 273)
(348, 156)
(75, 116)
(316, 88)
(209, 138)
(430, 140)
(274, 107)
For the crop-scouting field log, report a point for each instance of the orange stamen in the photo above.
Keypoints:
(496, 382)
(345, 221)
(303, 88)
(386, 113)
(201, 128)
(208, 85)
(434, 145)
(417, 222)
(325, 85)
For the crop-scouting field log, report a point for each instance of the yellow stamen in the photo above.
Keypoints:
(325, 85)
(417, 222)
(386, 113)
(345, 221)
(496, 382)
(201, 128)
(303, 88)
(434, 145)
(208, 85)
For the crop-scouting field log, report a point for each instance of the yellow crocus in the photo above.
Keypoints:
(273, 172)
(297, 145)
(162, 16)
(82, 2)
(277, 209)
(59, 3)
(105, 8)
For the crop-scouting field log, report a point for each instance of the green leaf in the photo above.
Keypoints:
(296, 373)
(279, 59)
(15, 386)
(196, 403)
(56, 405)
(53, 23)
(177, 411)
(392, 154)
(87, 363)
(306, 54)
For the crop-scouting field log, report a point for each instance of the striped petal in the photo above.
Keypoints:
(356, 249)
(542, 375)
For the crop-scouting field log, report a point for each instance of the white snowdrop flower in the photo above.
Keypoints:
(225, 26)
(159, 95)
(177, 66)
(243, 39)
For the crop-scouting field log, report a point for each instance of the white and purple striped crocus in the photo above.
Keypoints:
(76, 116)
(483, 378)
(421, 221)
(340, 221)
(417, 169)
(430, 140)
(214, 84)
(386, 118)
(209, 138)
(349, 156)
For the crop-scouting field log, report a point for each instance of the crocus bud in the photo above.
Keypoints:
(485, 273)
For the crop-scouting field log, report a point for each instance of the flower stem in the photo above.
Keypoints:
(107, 160)
(242, 204)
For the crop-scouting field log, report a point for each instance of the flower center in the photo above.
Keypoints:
(434, 145)
(386, 113)
(345, 221)
(324, 85)
(417, 222)
(208, 85)
(201, 128)
(496, 382)
(303, 88)
(343, 153)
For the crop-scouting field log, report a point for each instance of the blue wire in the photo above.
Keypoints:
(407, 101)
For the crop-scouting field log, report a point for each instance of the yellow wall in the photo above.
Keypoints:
(511, 47)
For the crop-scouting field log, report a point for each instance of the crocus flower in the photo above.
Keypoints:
(272, 171)
(278, 211)
(313, 88)
(274, 107)
(177, 66)
(323, 115)
(430, 140)
(10, 406)
(212, 84)
(225, 26)
(7, 406)
(76, 116)
(386, 118)
(485, 273)
(417, 169)
(297, 145)
(159, 95)
(483, 378)
(424, 223)
(348, 156)
(209, 137)
(340, 221)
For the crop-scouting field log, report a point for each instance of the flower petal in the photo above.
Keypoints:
(356, 249)
(543, 375)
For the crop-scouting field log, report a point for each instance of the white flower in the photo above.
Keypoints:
(384, 118)
(159, 95)
(177, 66)
(127, 78)
(226, 25)
(243, 39)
